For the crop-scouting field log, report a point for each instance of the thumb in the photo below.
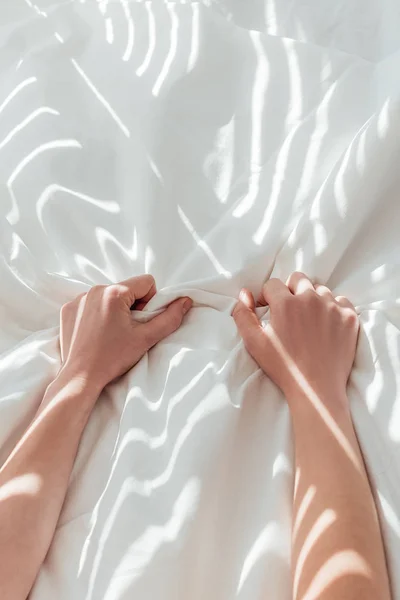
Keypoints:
(248, 324)
(167, 322)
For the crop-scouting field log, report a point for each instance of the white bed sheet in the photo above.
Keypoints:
(210, 144)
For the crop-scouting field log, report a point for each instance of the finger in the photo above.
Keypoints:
(274, 290)
(345, 302)
(298, 283)
(167, 322)
(141, 288)
(247, 297)
(324, 291)
(248, 324)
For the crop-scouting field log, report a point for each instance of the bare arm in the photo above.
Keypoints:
(99, 341)
(34, 480)
(336, 539)
(308, 349)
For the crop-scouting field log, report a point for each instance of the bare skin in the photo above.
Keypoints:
(99, 341)
(308, 349)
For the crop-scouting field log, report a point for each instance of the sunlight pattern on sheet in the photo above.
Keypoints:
(342, 201)
(314, 147)
(131, 31)
(361, 152)
(296, 94)
(44, 110)
(320, 237)
(282, 465)
(108, 205)
(16, 91)
(383, 120)
(103, 237)
(152, 41)
(39, 150)
(194, 51)
(36, 8)
(278, 179)
(149, 259)
(202, 244)
(171, 53)
(393, 351)
(258, 99)
(267, 538)
(16, 245)
(213, 402)
(91, 272)
(109, 30)
(271, 17)
(376, 386)
(101, 98)
(262, 139)
(221, 160)
(13, 215)
(142, 550)
(391, 515)
(154, 442)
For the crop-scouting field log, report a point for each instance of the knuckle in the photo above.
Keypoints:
(332, 310)
(324, 290)
(96, 290)
(308, 298)
(332, 307)
(351, 318)
(311, 296)
(111, 293)
(70, 306)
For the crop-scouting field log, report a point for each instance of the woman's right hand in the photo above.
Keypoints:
(99, 339)
(310, 341)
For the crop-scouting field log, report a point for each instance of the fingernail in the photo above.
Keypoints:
(187, 305)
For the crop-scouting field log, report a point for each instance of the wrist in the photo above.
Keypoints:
(304, 404)
(81, 379)
(73, 384)
(322, 424)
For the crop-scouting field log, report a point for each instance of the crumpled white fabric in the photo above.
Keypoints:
(213, 145)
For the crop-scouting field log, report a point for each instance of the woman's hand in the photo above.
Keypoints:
(310, 340)
(99, 339)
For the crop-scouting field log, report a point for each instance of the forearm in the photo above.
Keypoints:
(337, 544)
(34, 480)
